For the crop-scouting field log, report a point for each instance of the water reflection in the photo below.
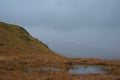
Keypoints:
(76, 69)
(43, 69)
(82, 69)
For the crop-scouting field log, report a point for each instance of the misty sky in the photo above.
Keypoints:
(70, 27)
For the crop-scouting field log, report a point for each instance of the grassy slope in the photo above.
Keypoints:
(15, 40)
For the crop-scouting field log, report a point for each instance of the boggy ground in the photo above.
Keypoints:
(111, 66)
(18, 68)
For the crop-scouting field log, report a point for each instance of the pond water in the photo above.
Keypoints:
(42, 69)
(76, 69)
(82, 69)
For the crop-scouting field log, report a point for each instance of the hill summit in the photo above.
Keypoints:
(15, 40)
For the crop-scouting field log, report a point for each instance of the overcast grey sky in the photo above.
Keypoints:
(68, 26)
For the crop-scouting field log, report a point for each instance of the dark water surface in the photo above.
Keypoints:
(76, 69)
(43, 69)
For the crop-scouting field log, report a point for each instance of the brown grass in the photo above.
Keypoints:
(16, 68)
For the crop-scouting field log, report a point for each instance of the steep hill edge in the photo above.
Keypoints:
(15, 41)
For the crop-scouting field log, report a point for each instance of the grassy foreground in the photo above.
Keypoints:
(25, 68)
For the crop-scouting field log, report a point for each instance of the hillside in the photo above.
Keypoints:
(15, 40)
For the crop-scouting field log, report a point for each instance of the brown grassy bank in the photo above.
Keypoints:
(16, 68)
